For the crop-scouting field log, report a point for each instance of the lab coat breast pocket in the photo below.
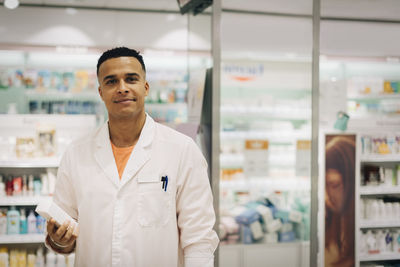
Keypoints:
(154, 203)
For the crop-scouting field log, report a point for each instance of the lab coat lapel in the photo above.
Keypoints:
(141, 152)
(104, 155)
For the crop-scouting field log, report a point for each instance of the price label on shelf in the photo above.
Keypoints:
(256, 158)
(303, 158)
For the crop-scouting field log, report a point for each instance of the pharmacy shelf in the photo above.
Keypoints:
(272, 136)
(266, 113)
(373, 97)
(379, 190)
(165, 106)
(53, 95)
(22, 239)
(277, 183)
(381, 158)
(31, 163)
(22, 201)
(238, 160)
(366, 224)
(380, 257)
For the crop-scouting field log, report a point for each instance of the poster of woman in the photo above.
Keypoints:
(340, 155)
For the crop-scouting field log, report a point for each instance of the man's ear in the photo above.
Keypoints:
(147, 88)
(100, 92)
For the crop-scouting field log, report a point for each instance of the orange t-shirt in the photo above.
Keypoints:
(121, 156)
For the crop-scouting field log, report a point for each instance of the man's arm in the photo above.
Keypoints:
(62, 239)
(195, 211)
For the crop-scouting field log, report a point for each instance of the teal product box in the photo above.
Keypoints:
(283, 215)
(246, 234)
(287, 237)
(247, 217)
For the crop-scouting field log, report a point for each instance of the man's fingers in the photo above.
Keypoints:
(68, 234)
(50, 226)
(62, 230)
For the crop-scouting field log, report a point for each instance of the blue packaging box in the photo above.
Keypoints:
(247, 217)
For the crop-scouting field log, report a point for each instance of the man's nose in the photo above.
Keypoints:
(122, 88)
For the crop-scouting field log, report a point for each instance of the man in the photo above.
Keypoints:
(138, 190)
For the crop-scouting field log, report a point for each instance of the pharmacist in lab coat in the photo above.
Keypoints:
(138, 189)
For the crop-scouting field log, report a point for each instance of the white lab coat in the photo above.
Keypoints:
(133, 221)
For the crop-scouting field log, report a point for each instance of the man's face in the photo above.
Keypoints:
(123, 87)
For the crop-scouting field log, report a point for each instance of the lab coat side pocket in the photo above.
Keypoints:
(154, 204)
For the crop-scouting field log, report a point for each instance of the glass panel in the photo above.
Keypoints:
(265, 133)
(359, 89)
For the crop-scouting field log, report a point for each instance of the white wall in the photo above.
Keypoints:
(360, 39)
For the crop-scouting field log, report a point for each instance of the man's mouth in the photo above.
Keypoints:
(125, 100)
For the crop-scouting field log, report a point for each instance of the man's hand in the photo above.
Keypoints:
(62, 238)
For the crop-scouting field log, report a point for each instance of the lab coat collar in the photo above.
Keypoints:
(139, 156)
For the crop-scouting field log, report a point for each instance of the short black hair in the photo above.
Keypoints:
(120, 52)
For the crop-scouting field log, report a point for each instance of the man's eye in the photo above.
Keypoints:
(111, 82)
(131, 79)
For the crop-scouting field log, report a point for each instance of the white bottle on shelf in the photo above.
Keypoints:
(32, 223)
(30, 185)
(51, 259)
(39, 258)
(45, 185)
(24, 185)
(61, 261)
(374, 210)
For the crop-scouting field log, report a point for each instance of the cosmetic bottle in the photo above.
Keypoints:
(51, 259)
(45, 185)
(61, 261)
(39, 258)
(9, 186)
(17, 186)
(32, 223)
(31, 260)
(13, 221)
(2, 187)
(3, 221)
(24, 185)
(37, 187)
(3, 256)
(23, 223)
(40, 224)
(30, 185)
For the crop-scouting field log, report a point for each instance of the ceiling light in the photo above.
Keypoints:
(11, 4)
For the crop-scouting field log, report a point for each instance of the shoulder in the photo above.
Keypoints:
(167, 134)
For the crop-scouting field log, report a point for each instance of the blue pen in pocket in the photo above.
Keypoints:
(164, 179)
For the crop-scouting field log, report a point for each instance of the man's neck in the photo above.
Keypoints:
(126, 132)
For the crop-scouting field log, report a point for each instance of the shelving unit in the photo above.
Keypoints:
(366, 224)
(271, 111)
(380, 257)
(379, 190)
(22, 239)
(22, 201)
(31, 163)
(380, 158)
